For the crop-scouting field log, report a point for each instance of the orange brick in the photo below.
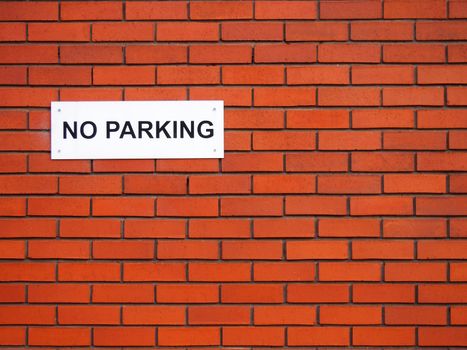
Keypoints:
(90, 228)
(123, 293)
(317, 205)
(218, 315)
(385, 118)
(252, 75)
(74, 54)
(386, 336)
(123, 250)
(457, 140)
(27, 97)
(11, 120)
(284, 271)
(354, 9)
(415, 315)
(116, 166)
(349, 271)
(365, 53)
(219, 272)
(355, 315)
(13, 335)
(14, 228)
(318, 336)
(284, 184)
(456, 96)
(382, 249)
(404, 272)
(458, 272)
(413, 53)
(253, 336)
(232, 96)
(59, 336)
(261, 162)
(58, 249)
(122, 206)
(349, 227)
(414, 183)
(322, 119)
(284, 315)
(252, 293)
(387, 161)
(13, 293)
(154, 229)
(318, 75)
(414, 228)
(124, 336)
(423, 96)
(441, 206)
(216, 10)
(150, 184)
(155, 10)
(415, 9)
(83, 314)
(144, 272)
(190, 75)
(13, 206)
(458, 184)
(98, 272)
(12, 32)
(153, 315)
(19, 11)
(284, 96)
(447, 30)
(316, 162)
(187, 206)
(121, 31)
(59, 206)
(90, 184)
(279, 140)
(442, 75)
(349, 184)
(343, 96)
(187, 293)
(457, 227)
(124, 75)
(252, 31)
(13, 75)
(442, 293)
(356, 140)
(290, 53)
(436, 249)
(316, 250)
(176, 249)
(209, 54)
(383, 293)
(59, 293)
(318, 293)
(253, 206)
(156, 94)
(458, 315)
(34, 272)
(381, 31)
(22, 184)
(252, 250)
(27, 315)
(13, 163)
(400, 75)
(219, 184)
(91, 10)
(442, 336)
(18, 54)
(79, 32)
(219, 228)
(193, 336)
(316, 31)
(457, 9)
(381, 206)
(188, 166)
(285, 10)
(190, 31)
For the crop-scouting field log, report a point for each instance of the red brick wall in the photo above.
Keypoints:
(336, 218)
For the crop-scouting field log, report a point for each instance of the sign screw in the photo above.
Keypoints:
(214, 109)
(59, 110)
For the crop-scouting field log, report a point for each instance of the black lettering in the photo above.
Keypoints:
(160, 129)
(190, 130)
(93, 133)
(73, 132)
(127, 130)
(209, 132)
(112, 127)
(146, 127)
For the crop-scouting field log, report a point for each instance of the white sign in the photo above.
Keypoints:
(137, 129)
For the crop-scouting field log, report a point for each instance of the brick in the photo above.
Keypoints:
(74, 54)
(322, 119)
(373, 205)
(34, 272)
(12, 32)
(176, 249)
(237, 141)
(458, 184)
(284, 96)
(317, 162)
(13, 163)
(190, 75)
(318, 336)
(187, 206)
(414, 183)
(415, 315)
(318, 75)
(30, 141)
(253, 119)
(13, 206)
(458, 272)
(256, 336)
(156, 94)
(446, 336)
(12, 293)
(252, 206)
(413, 53)
(95, 94)
(180, 31)
(219, 228)
(90, 228)
(123, 293)
(306, 250)
(95, 272)
(423, 96)
(59, 293)
(59, 336)
(13, 75)
(458, 315)
(124, 75)
(364, 53)
(349, 184)
(91, 10)
(435, 206)
(154, 229)
(84, 315)
(12, 335)
(415, 9)
(290, 53)
(19, 228)
(356, 140)
(414, 228)
(124, 336)
(220, 272)
(58, 249)
(384, 118)
(435, 249)
(252, 250)
(457, 140)
(442, 293)
(121, 31)
(155, 10)
(262, 162)
(39, 120)
(54, 32)
(218, 315)
(391, 336)
(122, 250)
(382, 249)
(442, 74)
(387, 162)
(355, 315)
(457, 228)
(317, 293)
(316, 31)
(344, 227)
(116, 166)
(204, 54)
(457, 53)
(150, 184)
(19, 11)
(457, 9)
(187, 293)
(285, 10)
(252, 75)
(447, 30)
(90, 185)
(403, 272)
(284, 184)
(232, 96)
(190, 166)
(60, 206)
(344, 96)
(383, 293)
(219, 184)
(27, 315)
(143, 272)
(12, 120)
(351, 9)
(221, 10)
(349, 271)
(18, 54)
(21, 184)
(124, 206)
(252, 293)
(27, 97)
(381, 31)
(252, 31)
(456, 96)
(315, 205)
(193, 336)
(279, 140)
(146, 54)
(284, 315)
(153, 315)
(284, 271)
(400, 75)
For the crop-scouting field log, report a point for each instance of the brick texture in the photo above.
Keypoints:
(336, 219)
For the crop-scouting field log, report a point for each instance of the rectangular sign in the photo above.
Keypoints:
(137, 129)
